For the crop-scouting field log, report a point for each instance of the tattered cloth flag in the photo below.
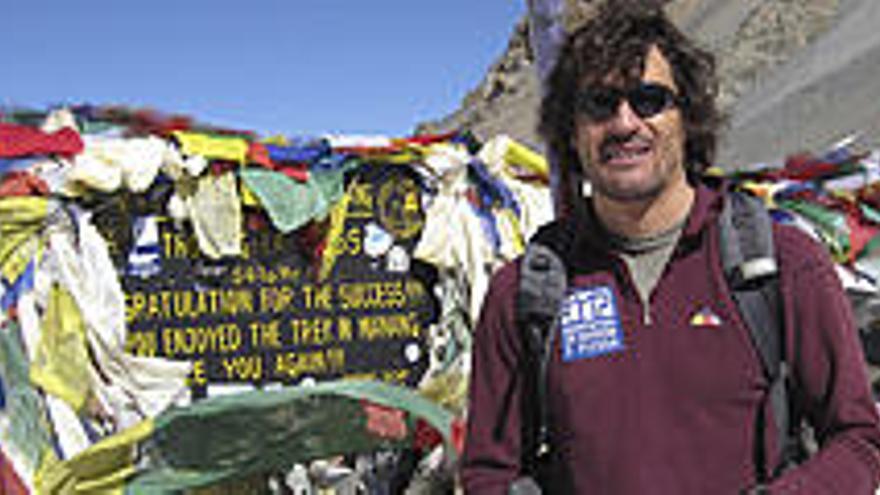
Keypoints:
(230, 437)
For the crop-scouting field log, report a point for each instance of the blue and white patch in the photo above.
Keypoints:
(590, 324)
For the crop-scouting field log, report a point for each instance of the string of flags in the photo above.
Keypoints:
(157, 272)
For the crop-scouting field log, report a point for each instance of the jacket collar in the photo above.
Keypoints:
(708, 201)
(704, 212)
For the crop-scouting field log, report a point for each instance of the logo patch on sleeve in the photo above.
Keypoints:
(590, 324)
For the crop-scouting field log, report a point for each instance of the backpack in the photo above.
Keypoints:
(750, 268)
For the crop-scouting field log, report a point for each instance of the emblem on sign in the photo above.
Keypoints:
(400, 209)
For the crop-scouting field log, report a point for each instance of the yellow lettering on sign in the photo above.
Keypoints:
(297, 364)
(344, 328)
(411, 203)
(182, 304)
(372, 295)
(196, 341)
(392, 326)
(198, 372)
(414, 291)
(361, 204)
(312, 331)
(134, 305)
(318, 297)
(265, 335)
(247, 368)
(142, 343)
(234, 302)
(355, 241)
(349, 243)
(276, 299)
(156, 303)
(178, 246)
(287, 273)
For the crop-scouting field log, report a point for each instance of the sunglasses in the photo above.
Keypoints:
(599, 103)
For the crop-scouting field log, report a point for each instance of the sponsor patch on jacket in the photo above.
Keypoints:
(705, 317)
(590, 324)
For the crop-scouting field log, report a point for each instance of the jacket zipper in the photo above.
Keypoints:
(644, 305)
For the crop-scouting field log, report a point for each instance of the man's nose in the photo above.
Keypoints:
(625, 118)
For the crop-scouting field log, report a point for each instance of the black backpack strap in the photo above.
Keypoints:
(749, 263)
(542, 285)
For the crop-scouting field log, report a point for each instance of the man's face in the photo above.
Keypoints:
(627, 156)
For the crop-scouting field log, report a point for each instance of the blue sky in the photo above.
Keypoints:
(273, 66)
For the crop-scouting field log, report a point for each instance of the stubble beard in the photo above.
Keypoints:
(627, 194)
(638, 190)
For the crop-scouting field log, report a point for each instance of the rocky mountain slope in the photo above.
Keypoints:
(796, 75)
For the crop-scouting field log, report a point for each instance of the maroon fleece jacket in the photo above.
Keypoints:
(663, 399)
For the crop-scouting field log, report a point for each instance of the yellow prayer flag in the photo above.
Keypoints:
(229, 148)
(338, 214)
(61, 364)
(521, 156)
(101, 469)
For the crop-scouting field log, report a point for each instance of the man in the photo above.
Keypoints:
(665, 399)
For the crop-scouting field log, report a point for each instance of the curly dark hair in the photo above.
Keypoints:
(616, 42)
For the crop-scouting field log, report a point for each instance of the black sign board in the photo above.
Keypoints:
(266, 317)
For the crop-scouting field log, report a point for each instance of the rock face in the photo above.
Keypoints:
(795, 75)
(504, 102)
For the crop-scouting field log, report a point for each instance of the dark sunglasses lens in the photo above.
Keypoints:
(650, 99)
(599, 103)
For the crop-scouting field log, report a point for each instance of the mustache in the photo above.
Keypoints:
(615, 140)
